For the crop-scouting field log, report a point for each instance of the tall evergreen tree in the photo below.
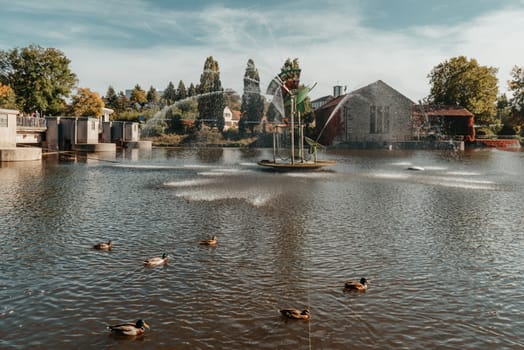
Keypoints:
(169, 96)
(252, 107)
(152, 96)
(192, 90)
(211, 103)
(110, 99)
(181, 92)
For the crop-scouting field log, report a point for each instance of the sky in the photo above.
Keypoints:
(352, 43)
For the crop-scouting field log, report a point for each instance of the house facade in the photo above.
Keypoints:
(231, 119)
(371, 116)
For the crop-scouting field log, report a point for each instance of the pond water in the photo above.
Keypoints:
(443, 249)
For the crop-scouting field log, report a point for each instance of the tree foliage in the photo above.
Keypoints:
(516, 86)
(516, 103)
(7, 97)
(211, 102)
(41, 78)
(464, 82)
(191, 90)
(169, 95)
(138, 96)
(181, 92)
(87, 103)
(152, 97)
(252, 107)
(110, 99)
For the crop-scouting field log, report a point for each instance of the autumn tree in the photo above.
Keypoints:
(87, 103)
(252, 107)
(211, 103)
(138, 96)
(122, 103)
(7, 97)
(40, 78)
(462, 81)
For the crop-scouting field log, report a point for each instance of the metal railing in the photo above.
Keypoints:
(31, 122)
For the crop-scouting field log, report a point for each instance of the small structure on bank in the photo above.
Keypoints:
(92, 135)
(9, 152)
(434, 122)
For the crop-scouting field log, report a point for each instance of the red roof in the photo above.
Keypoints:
(441, 111)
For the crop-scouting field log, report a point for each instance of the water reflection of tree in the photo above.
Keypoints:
(210, 155)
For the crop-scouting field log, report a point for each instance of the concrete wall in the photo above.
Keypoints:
(87, 130)
(52, 133)
(124, 131)
(8, 128)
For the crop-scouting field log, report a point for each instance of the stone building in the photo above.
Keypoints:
(372, 116)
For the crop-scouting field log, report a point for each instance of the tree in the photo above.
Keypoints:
(181, 92)
(87, 103)
(152, 96)
(7, 97)
(192, 90)
(464, 82)
(121, 103)
(40, 78)
(211, 103)
(515, 105)
(138, 96)
(111, 98)
(169, 95)
(252, 107)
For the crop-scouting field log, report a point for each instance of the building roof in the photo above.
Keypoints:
(361, 92)
(441, 111)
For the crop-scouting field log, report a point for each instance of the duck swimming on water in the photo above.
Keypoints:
(360, 286)
(104, 246)
(212, 241)
(156, 261)
(296, 314)
(131, 329)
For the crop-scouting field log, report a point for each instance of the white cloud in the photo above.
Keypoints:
(333, 47)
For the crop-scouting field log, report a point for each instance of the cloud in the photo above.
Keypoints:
(124, 43)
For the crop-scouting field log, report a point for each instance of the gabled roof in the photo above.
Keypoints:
(441, 111)
(332, 102)
(362, 93)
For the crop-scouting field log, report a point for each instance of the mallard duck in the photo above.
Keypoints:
(296, 314)
(156, 261)
(129, 328)
(212, 241)
(361, 285)
(104, 246)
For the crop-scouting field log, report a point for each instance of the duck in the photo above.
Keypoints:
(212, 241)
(104, 245)
(156, 261)
(360, 286)
(296, 314)
(131, 329)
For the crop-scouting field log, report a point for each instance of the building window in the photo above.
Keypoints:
(372, 119)
(3, 121)
(93, 127)
(348, 121)
(379, 120)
